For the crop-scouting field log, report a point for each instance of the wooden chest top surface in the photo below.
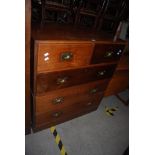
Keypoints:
(59, 33)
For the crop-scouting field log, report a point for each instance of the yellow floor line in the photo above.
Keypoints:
(58, 141)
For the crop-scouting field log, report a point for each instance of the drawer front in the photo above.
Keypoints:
(106, 53)
(57, 116)
(47, 82)
(40, 126)
(57, 56)
(74, 95)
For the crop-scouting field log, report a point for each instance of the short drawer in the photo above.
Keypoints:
(107, 53)
(56, 56)
(56, 116)
(68, 96)
(47, 82)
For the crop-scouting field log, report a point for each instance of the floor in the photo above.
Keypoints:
(93, 134)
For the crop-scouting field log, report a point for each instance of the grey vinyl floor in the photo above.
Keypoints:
(92, 134)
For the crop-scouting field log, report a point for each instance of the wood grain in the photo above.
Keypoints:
(64, 113)
(81, 55)
(47, 82)
(70, 82)
(57, 32)
(72, 95)
(38, 127)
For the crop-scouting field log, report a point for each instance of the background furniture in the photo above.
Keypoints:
(89, 12)
(62, 11)
(97, 14)
(115, 11)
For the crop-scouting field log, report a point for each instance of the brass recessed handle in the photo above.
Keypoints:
(89, 103)
(57, 114)
(108, 54)
(62, 80)
(66, 56)
(101, 73)
(94, 90)
(119, 52)
(58, 100)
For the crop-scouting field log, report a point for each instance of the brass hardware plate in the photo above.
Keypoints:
(89, 103)
(58, 100)
(93, 91)
(57, 114)
(66, 56)
(101, 73)
(62, 80)
(108, 54)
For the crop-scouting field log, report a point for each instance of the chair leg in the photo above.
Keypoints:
(95, 23)
(77, 19)
(43, 13)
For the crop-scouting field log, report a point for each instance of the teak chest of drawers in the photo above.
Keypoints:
(70, 75)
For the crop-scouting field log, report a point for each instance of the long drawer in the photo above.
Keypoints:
(68, 96)
(47, 82)
(55, 56)
(57, 116)
(40, 126)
